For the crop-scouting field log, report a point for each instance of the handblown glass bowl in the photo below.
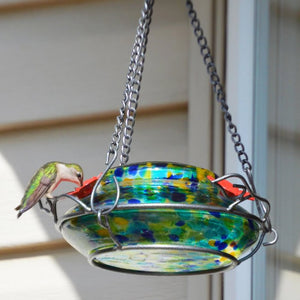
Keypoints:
(170, 219)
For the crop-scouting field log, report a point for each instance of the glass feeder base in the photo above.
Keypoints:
(163, 261)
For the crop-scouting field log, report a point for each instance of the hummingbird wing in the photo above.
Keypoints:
(40, 191)
(37, 188)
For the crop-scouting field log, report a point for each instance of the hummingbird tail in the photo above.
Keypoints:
(19, 214)
(18, 207)
(20, 211)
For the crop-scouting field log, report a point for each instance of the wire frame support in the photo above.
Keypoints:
(248, 192)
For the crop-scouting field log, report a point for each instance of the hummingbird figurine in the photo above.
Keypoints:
(46, 180)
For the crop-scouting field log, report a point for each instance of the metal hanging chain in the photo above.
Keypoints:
(217, 87)
(129, 102)
(116, 137)
(220, 97)
(132, 88)
(134, 77)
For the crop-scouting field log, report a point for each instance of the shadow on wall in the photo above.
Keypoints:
(155, 139)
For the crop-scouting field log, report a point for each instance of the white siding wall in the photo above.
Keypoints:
(71, 60)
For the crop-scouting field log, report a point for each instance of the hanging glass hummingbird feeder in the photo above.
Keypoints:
(161, 217)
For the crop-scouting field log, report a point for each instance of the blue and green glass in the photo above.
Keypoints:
(170, 219)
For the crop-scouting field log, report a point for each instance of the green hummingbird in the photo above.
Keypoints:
(46, 180)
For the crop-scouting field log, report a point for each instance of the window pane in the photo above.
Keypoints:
(283, 260)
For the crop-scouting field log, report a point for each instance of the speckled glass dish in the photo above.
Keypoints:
(170, 219)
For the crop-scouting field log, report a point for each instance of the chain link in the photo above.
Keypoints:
(217, 87)
(116, 137)
(231, 127)
(132, 87)
(133, 84)
(134, 77)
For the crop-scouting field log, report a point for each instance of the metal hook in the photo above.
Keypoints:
(99, 215)
(274, 240)
(240, 198)
(107, 211)
(100, 179)
(262, 204)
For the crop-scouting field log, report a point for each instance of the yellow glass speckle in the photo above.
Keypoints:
(120, 221)
(103, 232)
(211, 242)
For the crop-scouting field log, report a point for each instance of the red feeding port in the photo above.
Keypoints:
(231, 190)
(86, 188)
